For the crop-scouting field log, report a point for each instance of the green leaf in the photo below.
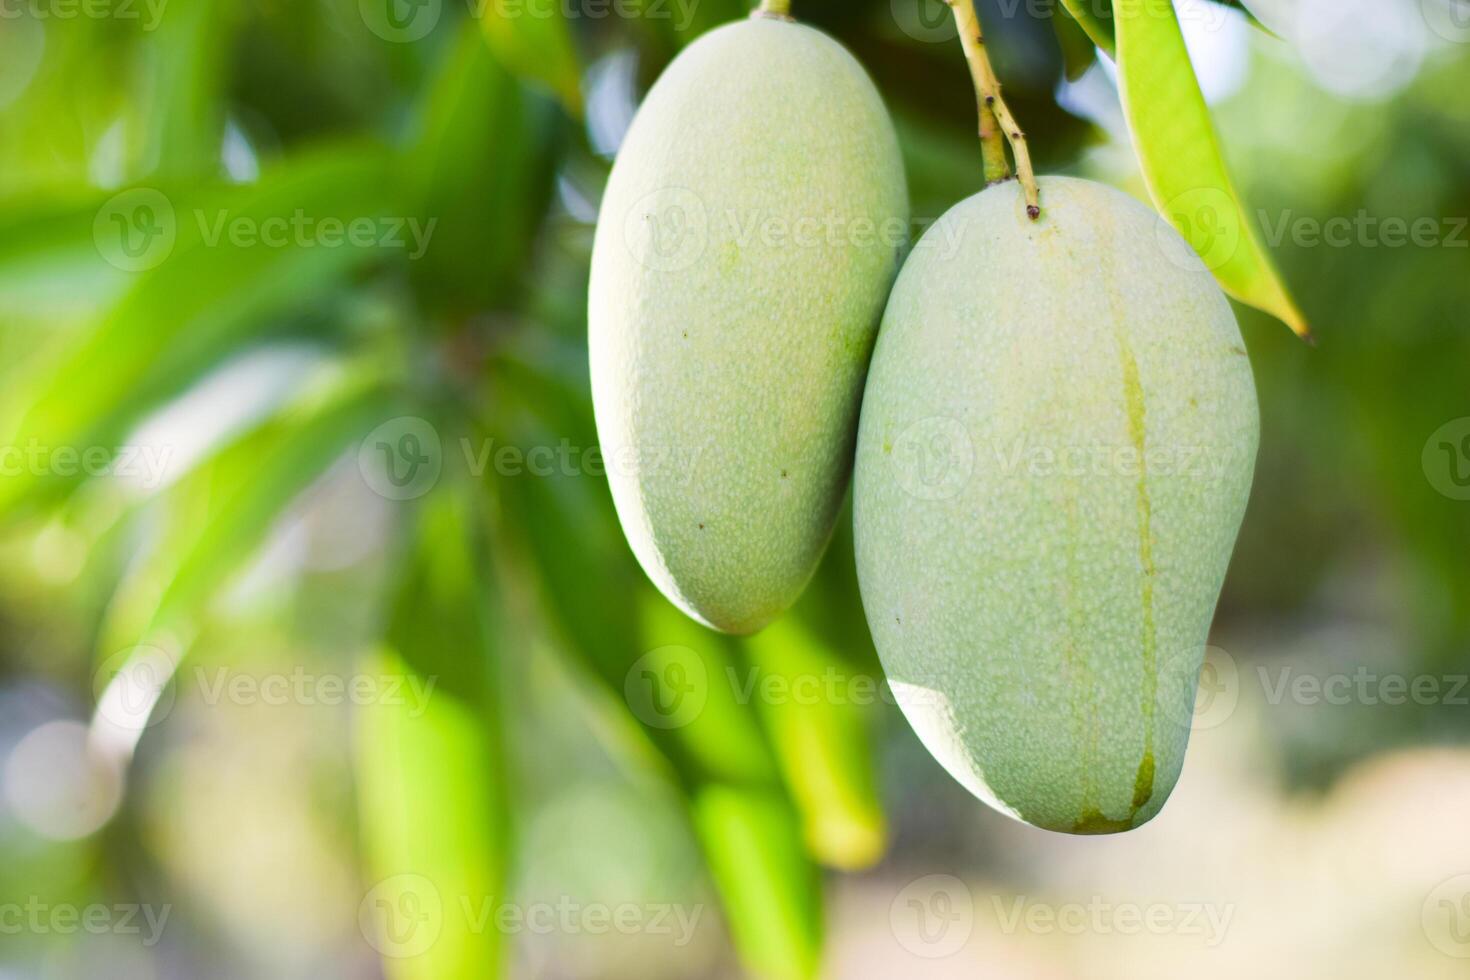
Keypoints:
(49, 263)
(201, 298)
(819, 726)
(679, 22)
(222, 512)
(701, 708)
(481, 171)
(678, 682)
(535, 45)
(431, 767)
(1097, 26)
(1181, 159)
(770, 889)
(1095, 17)
(1079, 52)
(176, 118)
(1250, 18)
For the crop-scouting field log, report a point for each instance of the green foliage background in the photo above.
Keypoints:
(514, 592)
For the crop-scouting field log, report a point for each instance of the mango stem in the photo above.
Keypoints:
(996, 121)
(778, 9)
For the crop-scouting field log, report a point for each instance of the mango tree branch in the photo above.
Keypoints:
(996, 120)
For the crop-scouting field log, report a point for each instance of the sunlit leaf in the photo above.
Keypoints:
(1095, 17)
(176, 123)
(214, 267)
(684, 685)
(223, 511)
(772, 893)
(818, 710)
(1182, 162)
(535, 44)
(431, 767)
(49, 264)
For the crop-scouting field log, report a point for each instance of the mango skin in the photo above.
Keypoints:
(747, 240)
(1041, 601)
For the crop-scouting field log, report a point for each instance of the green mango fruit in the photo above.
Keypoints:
(1056, 447)
(751, 229)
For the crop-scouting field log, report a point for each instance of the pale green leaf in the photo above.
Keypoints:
(818, 711)
(235, 258)
(431, 767)
(1182, 162)
(223, 511)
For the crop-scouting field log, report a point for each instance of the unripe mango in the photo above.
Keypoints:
(1057, 442)
(748, 237)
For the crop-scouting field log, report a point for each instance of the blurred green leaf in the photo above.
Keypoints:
(177, 120)
(681, 682)
(1079, 50)
(678, 22)
(535, 42)
(771, 891)
(1181, 159)
(49, 262)
(223, 511)
(241, 255)
(482, 173)
(818, 711)
(688, 688)
(431, 768)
